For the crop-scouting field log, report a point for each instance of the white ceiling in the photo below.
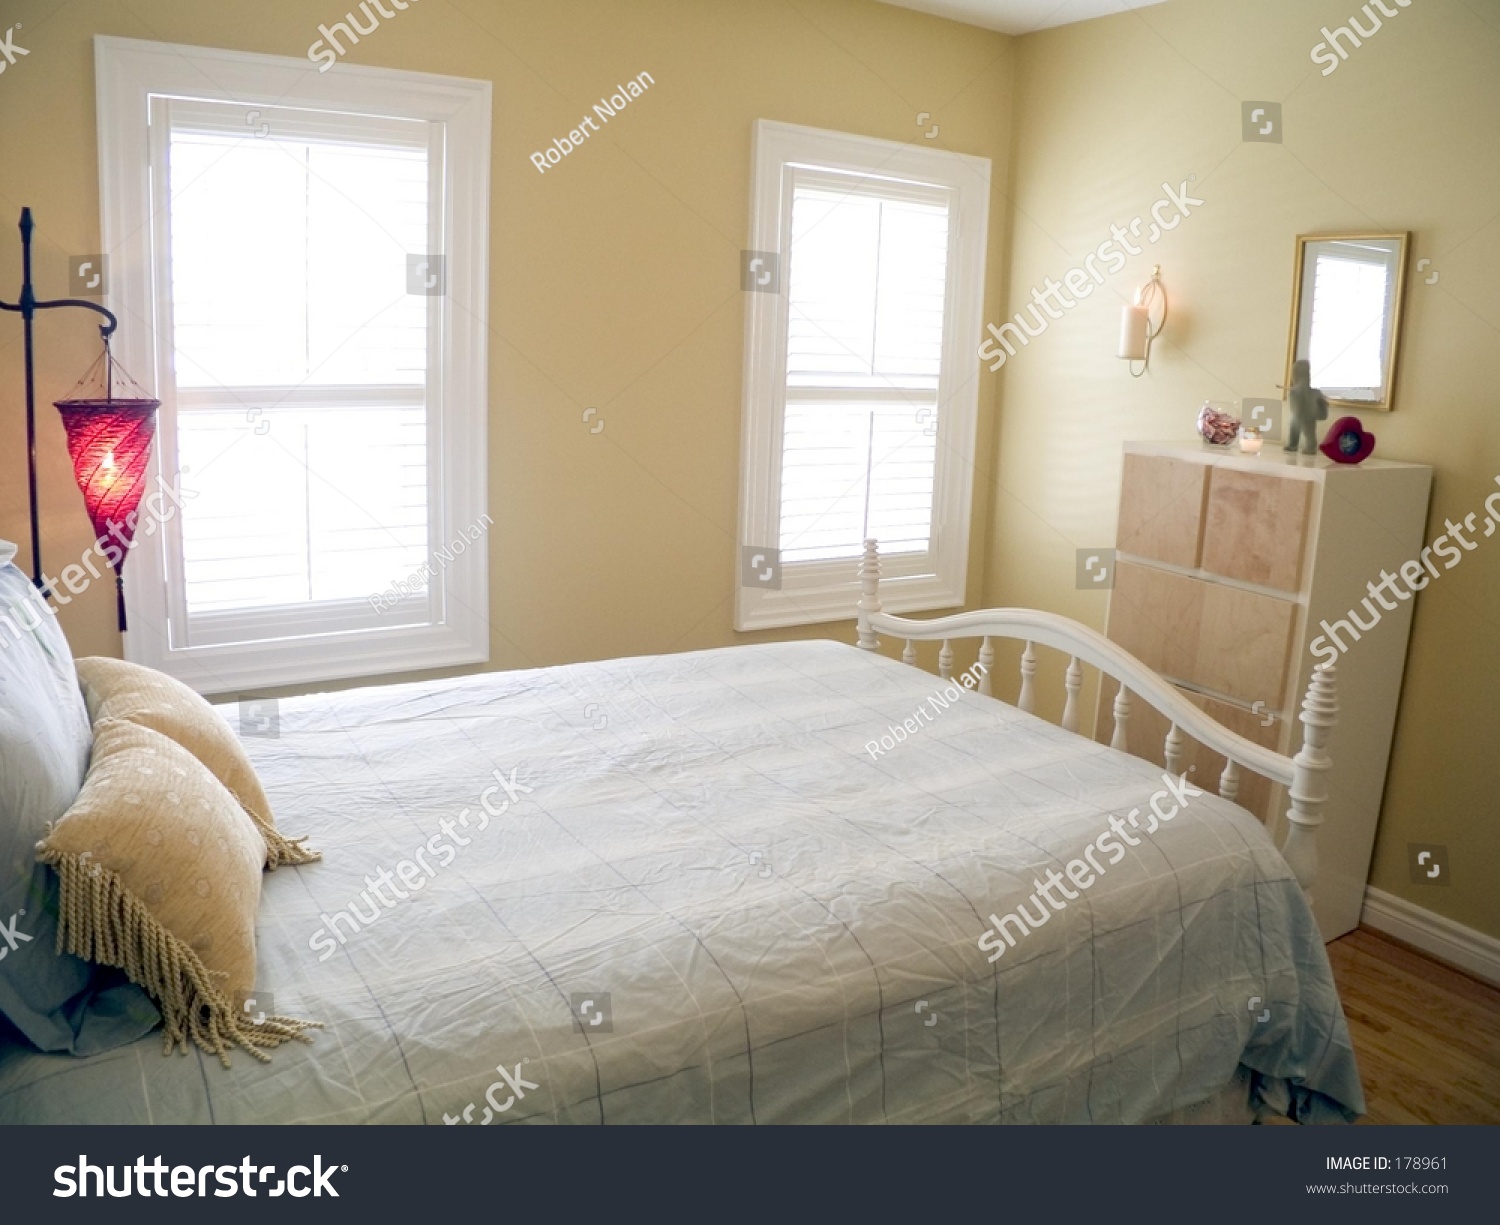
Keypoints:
(1021, 16)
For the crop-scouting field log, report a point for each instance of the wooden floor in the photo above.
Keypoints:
(1427, 1038)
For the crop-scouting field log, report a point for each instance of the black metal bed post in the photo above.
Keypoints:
(28, 305)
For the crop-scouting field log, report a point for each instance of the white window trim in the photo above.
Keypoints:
(814, 592)
(128, 71)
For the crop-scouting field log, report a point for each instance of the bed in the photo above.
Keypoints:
(687, 889)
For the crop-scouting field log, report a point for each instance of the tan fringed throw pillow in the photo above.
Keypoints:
(115, 689)
(160, 870)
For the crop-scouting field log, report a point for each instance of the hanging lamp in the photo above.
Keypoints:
(109, 440)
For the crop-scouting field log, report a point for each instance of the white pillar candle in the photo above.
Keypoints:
(1134, 325)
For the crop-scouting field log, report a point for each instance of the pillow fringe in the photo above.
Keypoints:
(279, 848)
(100, 920)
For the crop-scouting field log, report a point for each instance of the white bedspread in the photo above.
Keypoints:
(767, 924)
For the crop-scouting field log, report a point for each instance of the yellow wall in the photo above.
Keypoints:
(1399, 136)
(614, 277)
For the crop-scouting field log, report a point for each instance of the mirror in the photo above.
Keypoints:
(1346, 315)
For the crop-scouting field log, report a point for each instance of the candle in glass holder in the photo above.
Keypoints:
(1250, 441)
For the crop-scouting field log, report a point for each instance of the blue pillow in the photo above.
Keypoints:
(56, 1001)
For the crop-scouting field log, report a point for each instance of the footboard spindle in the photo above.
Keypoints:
(1305, 776)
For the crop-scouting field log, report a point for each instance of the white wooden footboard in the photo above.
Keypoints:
(1305, 775)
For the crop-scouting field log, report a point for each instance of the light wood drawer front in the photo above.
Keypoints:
(1255, 527)
(1155, 616)
(1221, 638)
(1146, 737)
(1161, 509)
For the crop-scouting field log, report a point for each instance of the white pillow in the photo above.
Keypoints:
(44, 724)
(45, 740)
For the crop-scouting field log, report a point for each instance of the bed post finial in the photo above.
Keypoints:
(869, 594)
(1309, 789)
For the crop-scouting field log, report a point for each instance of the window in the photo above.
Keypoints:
(861, 382)
(311, 250)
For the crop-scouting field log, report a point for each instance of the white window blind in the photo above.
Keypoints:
(300, 360)
(861, 372)
(866, 299)
(310, 250)
(868, 282)
(340, 498)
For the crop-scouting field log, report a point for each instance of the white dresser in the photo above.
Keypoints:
(1227, 566)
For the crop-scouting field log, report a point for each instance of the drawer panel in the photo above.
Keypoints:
(1161, 508)
(1216, 637)
(1255, 527)
(1156, 615)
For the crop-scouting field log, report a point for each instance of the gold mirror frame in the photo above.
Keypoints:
(1398, 307)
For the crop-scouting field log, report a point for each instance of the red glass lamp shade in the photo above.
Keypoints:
(110, 442)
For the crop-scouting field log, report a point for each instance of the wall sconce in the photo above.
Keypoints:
(1136, 332)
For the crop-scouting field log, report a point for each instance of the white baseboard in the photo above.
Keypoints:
(1469, 950)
